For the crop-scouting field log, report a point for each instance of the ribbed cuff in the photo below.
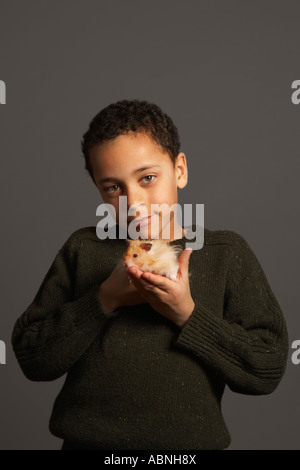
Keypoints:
(213, 338)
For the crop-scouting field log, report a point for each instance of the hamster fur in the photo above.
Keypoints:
(156, 256)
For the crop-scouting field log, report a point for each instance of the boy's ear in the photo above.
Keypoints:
(181, 170)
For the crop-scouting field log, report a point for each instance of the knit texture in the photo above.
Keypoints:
(134, 379)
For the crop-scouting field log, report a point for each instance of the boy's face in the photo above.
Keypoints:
(133, 165)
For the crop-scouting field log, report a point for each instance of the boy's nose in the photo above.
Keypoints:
(137, 210)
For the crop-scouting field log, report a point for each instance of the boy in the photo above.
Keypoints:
(147, 361)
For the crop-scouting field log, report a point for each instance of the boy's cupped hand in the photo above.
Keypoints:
(118, 291)
(169, 298)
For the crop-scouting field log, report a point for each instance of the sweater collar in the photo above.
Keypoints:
(190, 234)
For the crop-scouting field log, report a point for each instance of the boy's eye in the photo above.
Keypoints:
(115, 187)
(149, 176)
(110, 188)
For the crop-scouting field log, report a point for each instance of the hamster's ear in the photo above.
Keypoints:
(146, 246)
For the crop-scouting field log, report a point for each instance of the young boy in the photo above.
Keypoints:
(147, 361)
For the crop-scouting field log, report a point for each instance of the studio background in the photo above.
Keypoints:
(223, 72)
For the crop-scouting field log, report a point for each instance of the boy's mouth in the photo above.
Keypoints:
(143, 221)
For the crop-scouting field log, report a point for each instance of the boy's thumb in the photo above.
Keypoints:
(184, 259)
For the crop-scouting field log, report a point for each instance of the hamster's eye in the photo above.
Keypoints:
(135, 255)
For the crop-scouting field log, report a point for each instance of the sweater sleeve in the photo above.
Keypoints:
(248, 347)
(56, 329)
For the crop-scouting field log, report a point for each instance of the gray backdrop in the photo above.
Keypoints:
(223, 71)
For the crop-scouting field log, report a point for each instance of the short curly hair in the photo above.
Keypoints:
(125, 116)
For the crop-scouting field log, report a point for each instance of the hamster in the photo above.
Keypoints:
(156, 256)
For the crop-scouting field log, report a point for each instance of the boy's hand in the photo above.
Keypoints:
(171, 299)
(117, 290)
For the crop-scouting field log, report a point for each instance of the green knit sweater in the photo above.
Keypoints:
(134, 379)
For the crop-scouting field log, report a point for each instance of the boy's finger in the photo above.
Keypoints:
(146, 279)
(155, 279)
